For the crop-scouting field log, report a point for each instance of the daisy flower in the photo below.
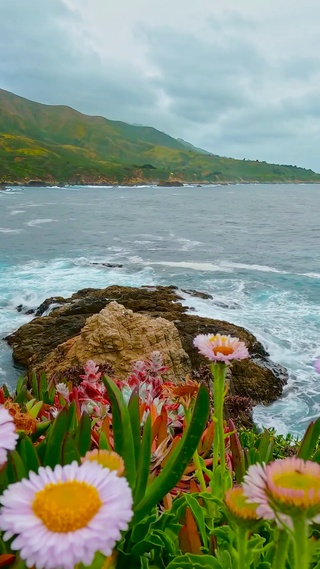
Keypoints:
(239, 507)
(61, 517)
(107, 459)
(288, 486)
(219, 348)
(8, 435)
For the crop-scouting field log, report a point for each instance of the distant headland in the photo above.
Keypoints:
(57, 145)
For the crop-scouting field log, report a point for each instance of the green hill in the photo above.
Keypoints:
(56, 144)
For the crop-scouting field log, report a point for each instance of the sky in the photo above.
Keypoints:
(240, 78)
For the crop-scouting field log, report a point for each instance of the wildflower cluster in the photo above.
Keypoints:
(107, 472)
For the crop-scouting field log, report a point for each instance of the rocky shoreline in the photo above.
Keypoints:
(52, 183)
(119, 325)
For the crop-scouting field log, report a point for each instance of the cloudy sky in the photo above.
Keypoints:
(240, 78)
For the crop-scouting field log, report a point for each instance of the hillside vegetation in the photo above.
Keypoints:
(58, 145)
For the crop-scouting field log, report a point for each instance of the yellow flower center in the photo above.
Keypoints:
(298, 488)
(238, 505)
(66, 506)
(225, 350)
(107, 459)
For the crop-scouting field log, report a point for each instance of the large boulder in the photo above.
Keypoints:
(257, 377)
(120, 337)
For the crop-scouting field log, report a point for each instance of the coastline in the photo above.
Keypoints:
(154, 184)
(44, 343)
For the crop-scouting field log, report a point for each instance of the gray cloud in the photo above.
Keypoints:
(242, 81)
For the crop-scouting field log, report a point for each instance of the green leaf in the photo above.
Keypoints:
(143, 469)
(309, 441)
(83, 434)
(43, 385)
(42, 427)
(237, 454)
(69, 451)
(35, 409)
(55, 436)
(22, 395)
(103, 442)
(134, 412)
(21, 382)
(122, 431)
(34, 384)
(141, 529)
(190, 561)
(316, 457)
(180, 457)
(225, 559)
(198, 514)
(6, 391)
(15, 468)
(47, 399)
(151, 541)
(28, 455)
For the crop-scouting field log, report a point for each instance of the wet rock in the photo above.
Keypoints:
(109, 265)
(169, 184)
(197, 294)
(53, 301)
(24, 309)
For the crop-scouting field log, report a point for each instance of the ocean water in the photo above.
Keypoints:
(254, 248)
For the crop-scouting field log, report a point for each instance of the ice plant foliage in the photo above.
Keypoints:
(91, 372)
(63, 516)
(8, 435)
(289, 486)
(218, 348)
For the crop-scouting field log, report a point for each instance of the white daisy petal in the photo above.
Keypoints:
(55, 529)
(8, 435)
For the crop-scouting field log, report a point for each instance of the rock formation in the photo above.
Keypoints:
(257, 377)
(121, 337)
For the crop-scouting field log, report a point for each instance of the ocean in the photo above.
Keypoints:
(254, 248)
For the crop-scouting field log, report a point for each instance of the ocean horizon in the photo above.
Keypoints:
(254, 248)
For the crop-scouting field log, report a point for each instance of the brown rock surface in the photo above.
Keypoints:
(121, 337)
(258, 378)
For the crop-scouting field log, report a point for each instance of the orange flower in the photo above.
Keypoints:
(23, 421)
(183, 392)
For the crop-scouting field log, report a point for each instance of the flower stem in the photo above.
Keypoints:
(281, 549)
(242, 546)
(219, 372)
(301, 544)
(199, 472)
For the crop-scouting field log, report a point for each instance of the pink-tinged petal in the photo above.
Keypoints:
(287, 487)
(53, 547)
(219, 348)
(8, 435)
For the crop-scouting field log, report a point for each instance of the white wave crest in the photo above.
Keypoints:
(37, 222)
